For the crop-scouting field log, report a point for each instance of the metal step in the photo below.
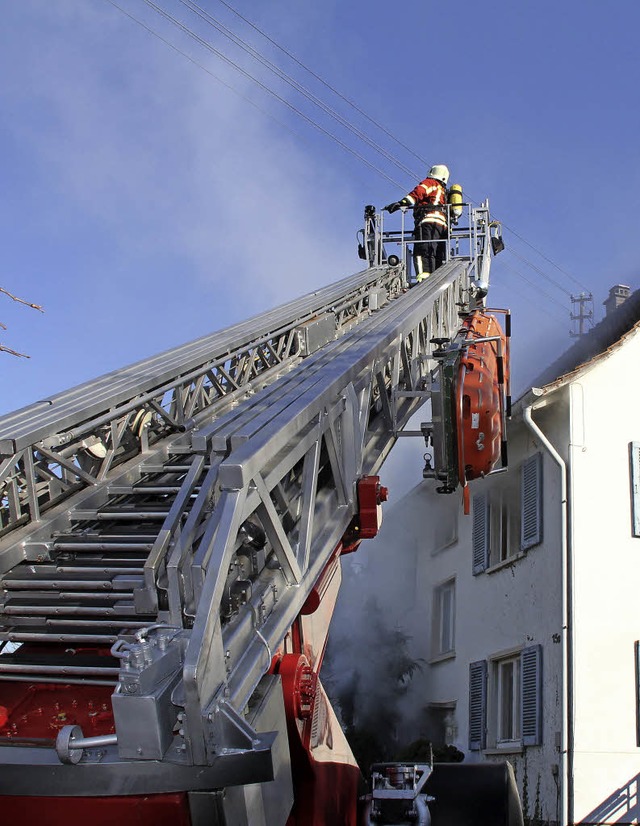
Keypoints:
(49, 578)
(47, 607)
(151, 468)
(44, 635)
(82, 593)
(58, 662)
(102, 546)
(143, 490)
(131, 515)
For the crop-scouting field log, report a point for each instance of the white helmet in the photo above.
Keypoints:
(440, 172)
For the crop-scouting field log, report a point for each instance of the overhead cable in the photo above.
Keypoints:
(376, 124)
(224, 30)
(204, 69)
(307, 93)
(193, 7)
(538, 291)
(263, 86)
(321, 80)
(536, 250)
(539, 271)
(546, 258)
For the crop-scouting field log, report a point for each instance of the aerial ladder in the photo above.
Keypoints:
(170, 545)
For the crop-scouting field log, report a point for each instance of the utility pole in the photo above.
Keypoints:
(583, 314)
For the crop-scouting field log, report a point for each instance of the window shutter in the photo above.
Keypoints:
(531, 686)
(477, 705)
(480, 533)
(531, 490)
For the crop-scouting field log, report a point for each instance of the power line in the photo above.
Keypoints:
(538, 291)
(539, 271)
(274, 94)
(272, 67)
(374, 122)
(321, 80)
(204, 69)
(192, 6)
(546, 258)
(536, 250)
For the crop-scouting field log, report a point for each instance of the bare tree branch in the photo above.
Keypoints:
(21, 300)
(11, 352)
(4, 349)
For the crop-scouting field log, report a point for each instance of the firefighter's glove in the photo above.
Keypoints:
(394, 207)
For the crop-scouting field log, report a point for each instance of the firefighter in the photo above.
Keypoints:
(429, 200)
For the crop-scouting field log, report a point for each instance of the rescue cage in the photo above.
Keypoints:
(469, 236)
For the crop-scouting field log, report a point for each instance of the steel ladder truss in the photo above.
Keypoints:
(73, 441)
(161, 570)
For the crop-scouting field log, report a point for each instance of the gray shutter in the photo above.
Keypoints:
(477, 705)
(480, 533)
(531, 500)
(531, 687)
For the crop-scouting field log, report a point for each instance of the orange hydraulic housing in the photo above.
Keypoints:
(482, 403)
(470, 403)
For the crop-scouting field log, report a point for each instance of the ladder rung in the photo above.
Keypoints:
(48, 636)
(69, 679)
(90, 563)
(30, 668)
(27, 611)
(128, 515)
(56, 598)
(102, 546)
(122, 624)
(151, 468)
(89, 570)
(116, 584)
(143, 490)
(104, 536)
(103, 567)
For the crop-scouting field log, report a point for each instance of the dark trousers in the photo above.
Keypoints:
(430, 247)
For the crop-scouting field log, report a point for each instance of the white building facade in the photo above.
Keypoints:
(527, 611)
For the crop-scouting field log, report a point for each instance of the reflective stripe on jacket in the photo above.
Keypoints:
(428, 200)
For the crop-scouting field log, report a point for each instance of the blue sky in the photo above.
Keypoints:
(145, 204)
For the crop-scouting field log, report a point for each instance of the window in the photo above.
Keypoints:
(440, 723)
(508, 701)
(507, 518)
(503, 525)
(444, 611)
(444, 530)
(496, 527)
(505, 700)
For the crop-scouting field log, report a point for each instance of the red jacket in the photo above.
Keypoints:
(429, 200)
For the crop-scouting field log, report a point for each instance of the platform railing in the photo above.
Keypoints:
(468, 238)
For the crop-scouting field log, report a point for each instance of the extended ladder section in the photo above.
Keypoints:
(163, 526)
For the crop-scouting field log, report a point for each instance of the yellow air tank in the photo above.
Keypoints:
(455, 202)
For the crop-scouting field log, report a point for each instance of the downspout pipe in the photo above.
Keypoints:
(566, 743)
